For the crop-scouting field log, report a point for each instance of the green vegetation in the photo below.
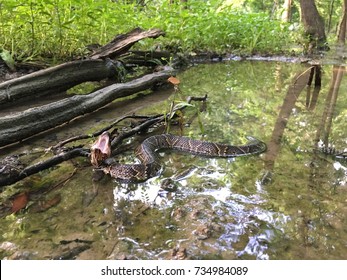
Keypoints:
(60, 29)
(207, 28)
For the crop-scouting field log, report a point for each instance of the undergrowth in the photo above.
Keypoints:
(61, 29)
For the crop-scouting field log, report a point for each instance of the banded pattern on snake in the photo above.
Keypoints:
(150, 164)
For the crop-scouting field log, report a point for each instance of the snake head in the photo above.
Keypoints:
(101, 149)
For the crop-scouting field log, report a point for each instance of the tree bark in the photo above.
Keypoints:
(343, 25)
(122, 43)
(62, 77)
(287, 8)
(331, 9)
(55, 79)
(13, 177)
(313, 24)
(30, 122)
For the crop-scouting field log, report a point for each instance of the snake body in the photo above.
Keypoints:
(150, 164)
(331, 151)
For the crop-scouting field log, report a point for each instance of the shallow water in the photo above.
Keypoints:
(288, 203)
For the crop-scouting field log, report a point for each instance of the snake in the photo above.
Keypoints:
(146, 152)
(331, 151)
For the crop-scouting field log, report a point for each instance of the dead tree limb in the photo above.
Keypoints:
(97, 133)
(8, 178)
(145, 58)
(64, 76)
(13, 177)
(30, 122)
(122, 43)
(55, 79)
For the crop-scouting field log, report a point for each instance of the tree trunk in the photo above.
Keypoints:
(313, 24)
(342, 29)
(331, 9)
(287, 8)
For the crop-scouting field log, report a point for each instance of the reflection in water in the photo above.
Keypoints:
(339, 167)
(298, 84)
(330, 104)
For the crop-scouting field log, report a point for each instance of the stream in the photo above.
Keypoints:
(287, 203)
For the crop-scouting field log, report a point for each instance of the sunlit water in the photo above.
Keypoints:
(288, 203)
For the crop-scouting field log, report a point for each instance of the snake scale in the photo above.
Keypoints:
(150, 165)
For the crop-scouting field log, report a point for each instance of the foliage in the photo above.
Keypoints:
(207, 28)
(7, 58)
(60, 29)
(331, 11)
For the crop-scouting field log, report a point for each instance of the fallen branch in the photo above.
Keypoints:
(145, 58)
(55, 79)
(97, 133)
(64, 76)
(122, 43)
(22, 125)
(13, 177)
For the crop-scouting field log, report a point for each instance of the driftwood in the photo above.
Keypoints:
(122, 43)
(55, 79)
(14, 175)
(22, 125)
(11, 173)
(64, 76)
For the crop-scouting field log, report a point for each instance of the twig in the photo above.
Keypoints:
(97, 133)
(117, 140)
(60, 184)
(42, 165)
(197, 98)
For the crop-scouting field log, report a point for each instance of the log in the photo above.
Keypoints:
(30, 122)
(12, 171)
(55, 79)
(122, 43)
(64, 76)
(7, 178)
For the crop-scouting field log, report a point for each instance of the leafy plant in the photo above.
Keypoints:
(8, 59)
(60, 29)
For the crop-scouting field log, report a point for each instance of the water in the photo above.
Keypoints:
(288, 203)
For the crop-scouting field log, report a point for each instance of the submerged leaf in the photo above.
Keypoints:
(19, 202)
(42, 206)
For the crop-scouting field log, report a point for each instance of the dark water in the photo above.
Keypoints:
(288, 203)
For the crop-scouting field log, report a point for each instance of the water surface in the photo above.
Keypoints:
(288, 203)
